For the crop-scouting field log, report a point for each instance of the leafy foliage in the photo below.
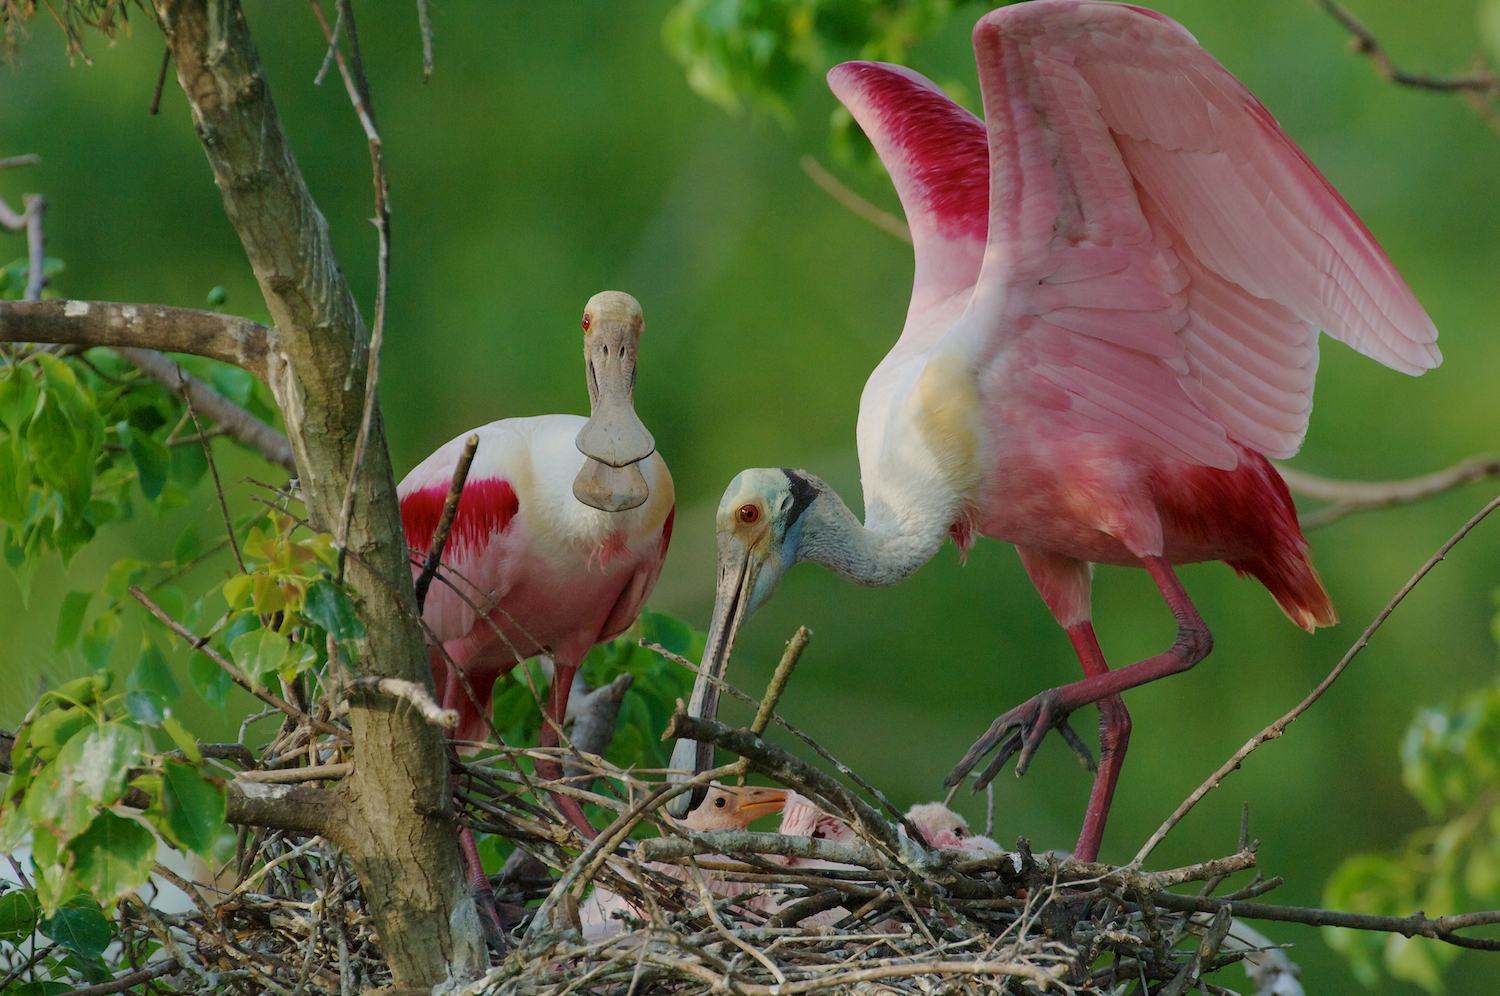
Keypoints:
(1451, 764)
(82, 438)
(74, 16)
(762, 51)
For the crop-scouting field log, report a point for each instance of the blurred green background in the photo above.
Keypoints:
(558, 151)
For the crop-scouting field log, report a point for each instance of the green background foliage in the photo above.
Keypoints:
(558, 151)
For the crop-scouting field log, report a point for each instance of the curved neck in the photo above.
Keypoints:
(883, 551)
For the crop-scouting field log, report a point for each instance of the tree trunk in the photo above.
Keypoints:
(400, 836)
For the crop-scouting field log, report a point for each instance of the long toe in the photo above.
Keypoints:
(1085, 756)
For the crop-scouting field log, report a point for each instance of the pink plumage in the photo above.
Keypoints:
(1120, 276)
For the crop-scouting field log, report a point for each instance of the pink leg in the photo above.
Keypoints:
(557, 708)
(1114, 738)
(484, 896)
(1050, 709)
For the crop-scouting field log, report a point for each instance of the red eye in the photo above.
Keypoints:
(749, 514)
(587, 318)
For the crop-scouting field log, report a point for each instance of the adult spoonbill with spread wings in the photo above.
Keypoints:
(1120, 277)
(529, 568)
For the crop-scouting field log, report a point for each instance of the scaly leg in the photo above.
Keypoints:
(551, 736)
(1114, 738)
(1050, 709)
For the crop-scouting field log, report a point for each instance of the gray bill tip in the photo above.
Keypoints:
(611, 489)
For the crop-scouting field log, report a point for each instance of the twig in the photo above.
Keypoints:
(323, 772)
(359, 95)
(783, 674)
(200, 643)
(130, 981)
(161, 80)
(30, 219)
(418, 696)
(333, 47)
(1480, 88)
(424, 21)
(208, 455)
(1277, 728)
(854, 202)
(445, 521)
(1440, 929)
(230, 417)
(30, 159)
(1358, 496)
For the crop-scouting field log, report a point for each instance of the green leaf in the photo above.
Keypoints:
(238, 590)
(211, 682)
(99, 641)
(80, 926)
(192, 809)
(40, 989)
(19, 912)
(18, 393)
(188, 466)
(146, 710)
(15, 480)
(184, 740)
(233, 382)
(152, 461)
(113, 856)
(21, 561)
(217, 297)
(188, 545)
(152, 676)
(89, 774)
(125, 572)
(260, 653)
(54, 728)
(70, 619)
(328, 606)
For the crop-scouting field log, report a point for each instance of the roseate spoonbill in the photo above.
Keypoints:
(530, 568)
(724, 808)
(1120, 278)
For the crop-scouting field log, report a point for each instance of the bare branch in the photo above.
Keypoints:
(1480, 88)
(445, 521)
(1440, 929)
(424, 21)
(1276, 729)
(230, 417)
(31, 220)
(854, 202)
(200, 644)
(323, 772)
(418, 696)
(30, 159)
(246, 344)
(1359, 496)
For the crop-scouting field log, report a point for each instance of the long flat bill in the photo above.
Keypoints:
(611, 489)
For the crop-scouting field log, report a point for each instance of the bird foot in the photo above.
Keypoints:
(1021, 730)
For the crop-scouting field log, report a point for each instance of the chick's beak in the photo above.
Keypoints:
(757, 802)
(738, 570)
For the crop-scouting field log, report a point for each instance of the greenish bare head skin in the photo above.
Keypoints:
(613, 439)
(760, 525)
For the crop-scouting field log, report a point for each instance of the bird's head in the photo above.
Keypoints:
(728, 807)
(613, 439)
(762, 527)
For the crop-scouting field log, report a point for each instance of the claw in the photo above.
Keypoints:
(1005, 753)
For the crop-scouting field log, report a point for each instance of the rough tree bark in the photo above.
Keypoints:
(393, 815)
(399, 830)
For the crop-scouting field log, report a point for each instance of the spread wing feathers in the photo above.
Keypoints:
(1160, 254)
(938, 157)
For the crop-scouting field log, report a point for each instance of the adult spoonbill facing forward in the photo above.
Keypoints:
(529, 568)
(1120, 277)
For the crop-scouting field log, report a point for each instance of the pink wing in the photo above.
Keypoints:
(1160, 254)
(475, 551)
(938, 158)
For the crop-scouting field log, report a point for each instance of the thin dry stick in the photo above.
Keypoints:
(1359, 496)
(208, 453)
(200, 643)
(424, 21)
(358, 89)
(445, 521)
(881, 219)
(1277, 728)
(30, 218)
(1479, 89)
(161, 81)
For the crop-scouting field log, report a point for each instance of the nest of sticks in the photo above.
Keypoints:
(893, 915)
